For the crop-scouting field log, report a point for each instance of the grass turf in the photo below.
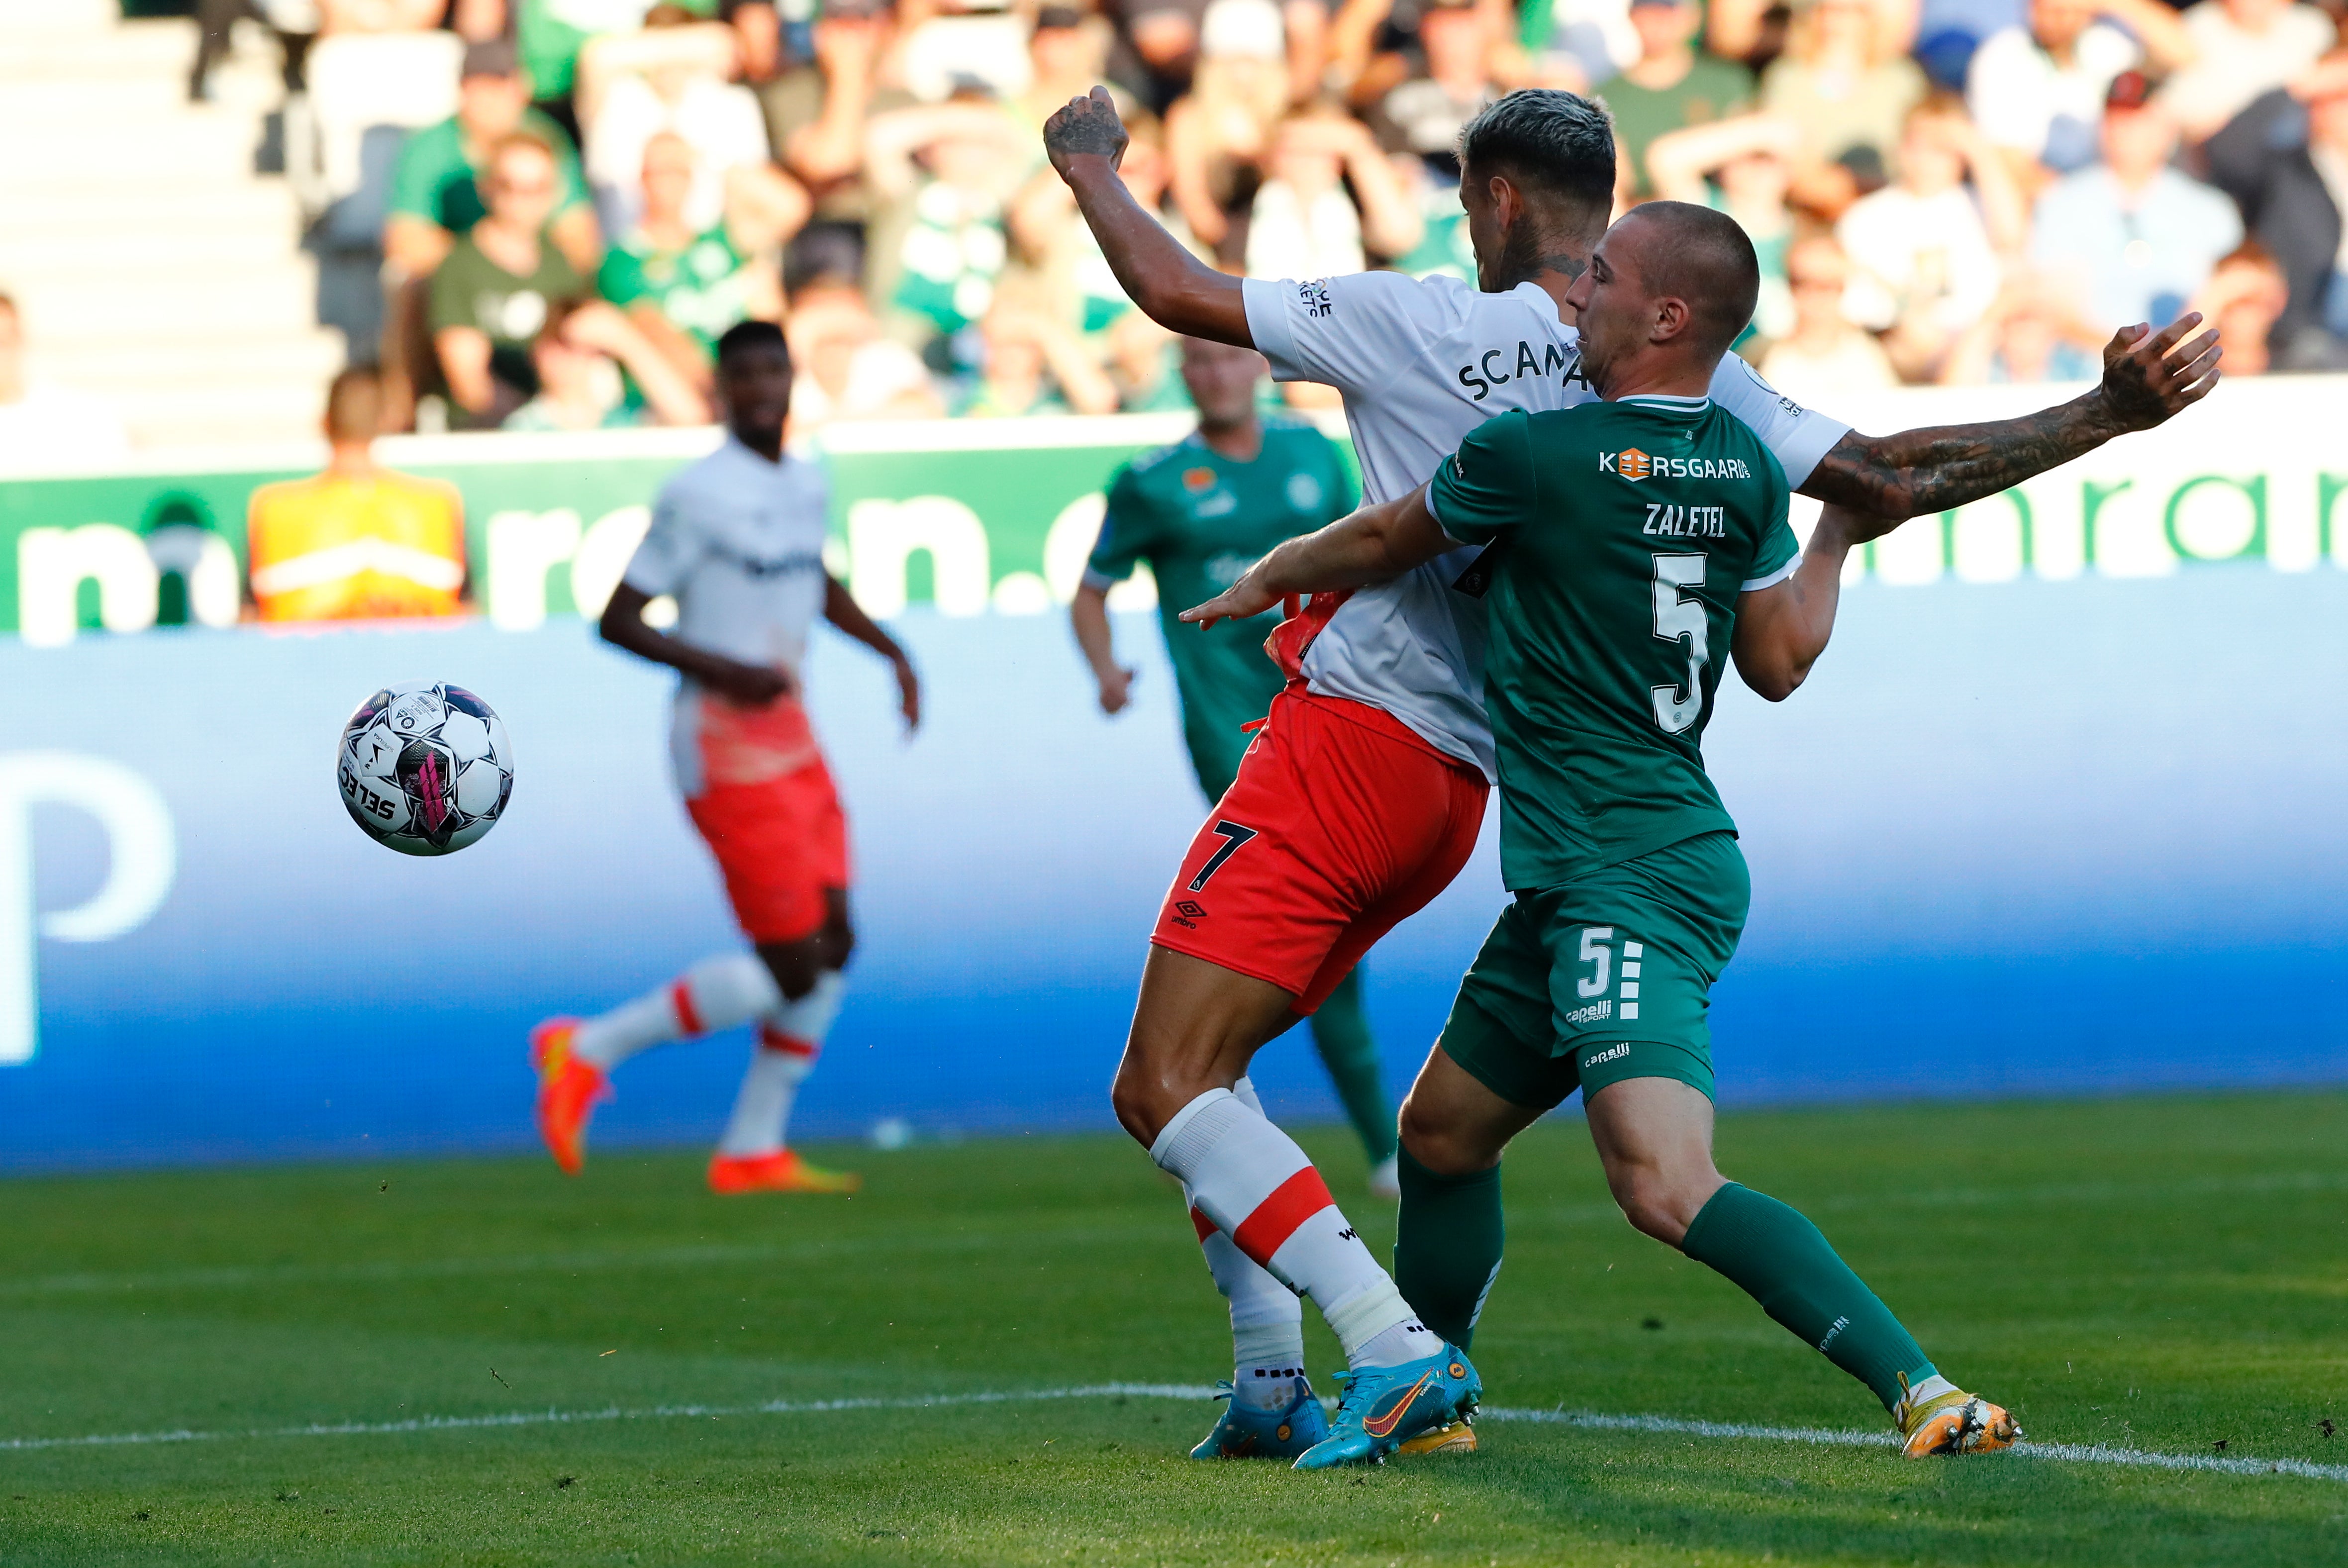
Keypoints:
(2154, 1273)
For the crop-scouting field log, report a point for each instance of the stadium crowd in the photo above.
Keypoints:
(572, 199)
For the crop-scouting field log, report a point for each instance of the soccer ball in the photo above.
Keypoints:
(425, 768)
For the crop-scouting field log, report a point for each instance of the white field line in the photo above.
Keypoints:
(1590, 1420)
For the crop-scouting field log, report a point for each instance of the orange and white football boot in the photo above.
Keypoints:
(1953, 1423)
(781, 1171)
(568, 1092)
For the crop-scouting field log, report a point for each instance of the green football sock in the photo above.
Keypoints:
(1446, 1246)
(1782, 1261)
(1341, 1033)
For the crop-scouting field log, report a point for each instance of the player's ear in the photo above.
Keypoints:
(1671, 319)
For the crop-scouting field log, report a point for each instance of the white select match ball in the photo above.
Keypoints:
(425, 768)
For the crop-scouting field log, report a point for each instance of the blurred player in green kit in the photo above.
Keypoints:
(1199, 512)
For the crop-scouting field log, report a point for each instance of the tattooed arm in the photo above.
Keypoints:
(1174, 288)
(2148, 376)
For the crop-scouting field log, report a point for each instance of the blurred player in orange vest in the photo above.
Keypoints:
(356, 543)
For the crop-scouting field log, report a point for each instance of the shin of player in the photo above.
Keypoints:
(736, 541)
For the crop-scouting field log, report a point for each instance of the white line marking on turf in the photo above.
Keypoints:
(1588, 1420)
(2076, 1454)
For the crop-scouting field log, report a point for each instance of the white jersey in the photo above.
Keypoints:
(738, 543)
(1422, 362)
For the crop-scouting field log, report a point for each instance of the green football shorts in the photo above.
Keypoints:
(1602, 979)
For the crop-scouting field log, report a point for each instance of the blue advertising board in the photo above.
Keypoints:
(2069, 836)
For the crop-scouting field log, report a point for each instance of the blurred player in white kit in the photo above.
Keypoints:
(737, 540)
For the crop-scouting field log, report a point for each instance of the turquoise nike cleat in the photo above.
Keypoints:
(1381, 1407)
(1243, 1433)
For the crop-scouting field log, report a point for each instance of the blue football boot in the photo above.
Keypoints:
(1379, 1409)
(1242, 1433)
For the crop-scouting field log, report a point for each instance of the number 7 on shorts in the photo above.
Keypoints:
(1233, 836)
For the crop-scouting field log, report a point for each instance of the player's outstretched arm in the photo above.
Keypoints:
(624, 626)
(1089, 616)
(2148, 377)
(1174, 288)
(840, 608)
(1782, 629)
(1375, 544)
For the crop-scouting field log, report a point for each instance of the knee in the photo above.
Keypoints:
(839, 943)
(1439, 1143)
(1657, 1204)
(1140, 1109)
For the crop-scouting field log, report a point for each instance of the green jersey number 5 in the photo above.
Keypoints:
(1677, 617)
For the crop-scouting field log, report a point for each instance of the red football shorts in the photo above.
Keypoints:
(1340, 825)
(771, 816)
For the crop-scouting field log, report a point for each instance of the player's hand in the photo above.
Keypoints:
(909, 693)
(1115, 688)
(1087, 128)
(1243, 600)
(751, 686)
(2149, 376)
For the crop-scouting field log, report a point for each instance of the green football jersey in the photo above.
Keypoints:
(1199, 519)
(1620, 535)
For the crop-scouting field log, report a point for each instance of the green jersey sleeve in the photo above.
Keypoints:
(1127, 533)
(1342, 491)
(423, 165)
(1488, 486)
(1777, 551)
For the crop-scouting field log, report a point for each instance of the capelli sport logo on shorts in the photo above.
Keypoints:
(1614, 1053)
(1634, 465)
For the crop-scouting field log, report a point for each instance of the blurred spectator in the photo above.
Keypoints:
(501, 286)
(554, 38)
(943, 174)
(847, 369)
(1159, 44)
(42, 423)
(1672, 86)
(1432, 185)
(2242, 49)
(357, 541)
(2132, 236)
(1066, 53)
(1217, 136)
(436, 190)
(2037, 91)
(577, 357)
(683, 286)
(294, 24)
(683, 92)
(2243, 299)
(1578, 44)
(1755, 31)
(1424, 115)
(1376, 46)
(817, 115)
(1302, 224)
(1742, 167)
(1035, 365)
(1843, 81)
(2032, 332)
(2285, 159)
(953, 47)
(1825, 361)
(1925, 253)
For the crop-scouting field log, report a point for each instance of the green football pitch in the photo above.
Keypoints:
(994, 1355)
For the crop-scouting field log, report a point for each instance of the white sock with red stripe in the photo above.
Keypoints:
(1267, 1317)
(1256, 1185)
(715, 994)
(791, 1039)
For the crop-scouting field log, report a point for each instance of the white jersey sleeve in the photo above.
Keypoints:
(672, 546)
(1354, 332)
(1798, 436)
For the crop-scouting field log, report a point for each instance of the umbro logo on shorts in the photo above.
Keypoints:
(1188, 913)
